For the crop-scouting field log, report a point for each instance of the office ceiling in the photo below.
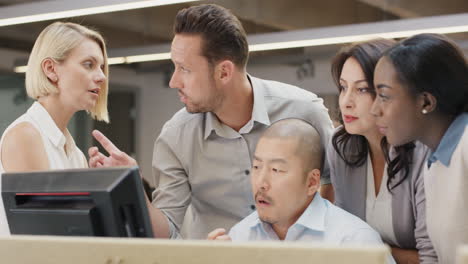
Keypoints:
(151, 26)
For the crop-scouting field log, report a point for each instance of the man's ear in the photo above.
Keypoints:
(427, 102)
(49, 68)
(313, 181)
(224, 71)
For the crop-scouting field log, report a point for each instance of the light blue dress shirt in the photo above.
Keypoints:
(449, 141)
(321, 221)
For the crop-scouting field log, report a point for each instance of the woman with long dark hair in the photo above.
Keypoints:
(372, 180)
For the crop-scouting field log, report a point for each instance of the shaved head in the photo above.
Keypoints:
(308, 144)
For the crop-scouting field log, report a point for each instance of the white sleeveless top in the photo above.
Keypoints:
(55, 142)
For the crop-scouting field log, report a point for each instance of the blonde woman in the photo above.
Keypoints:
(67, 72)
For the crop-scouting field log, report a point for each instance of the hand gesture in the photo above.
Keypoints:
(116, 157)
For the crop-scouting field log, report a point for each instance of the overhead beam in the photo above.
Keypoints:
(419, 8)
(391, 7)
(304, 13)
(326, 35)
(256, 12)
(153, 23)
(316, 37)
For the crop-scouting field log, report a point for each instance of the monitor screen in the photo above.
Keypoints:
(79, 202)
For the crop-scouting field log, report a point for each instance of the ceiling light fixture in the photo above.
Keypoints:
(315, 37)
(49, 10)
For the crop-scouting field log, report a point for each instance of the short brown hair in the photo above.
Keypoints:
(222, 33)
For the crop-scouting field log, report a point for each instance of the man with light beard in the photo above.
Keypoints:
(202, 158)
(285, 180)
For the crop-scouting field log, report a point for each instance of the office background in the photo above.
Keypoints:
(140, 100)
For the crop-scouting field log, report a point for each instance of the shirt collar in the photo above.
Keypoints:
(43, 119)
(259, 114)
(260, 111)
(449, 141)
(212, 123)
(312, 218)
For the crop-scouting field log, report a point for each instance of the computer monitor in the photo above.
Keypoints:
(79, 202)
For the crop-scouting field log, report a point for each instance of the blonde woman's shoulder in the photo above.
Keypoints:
(22, 149)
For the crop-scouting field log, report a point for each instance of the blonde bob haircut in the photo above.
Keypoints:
(56, 41)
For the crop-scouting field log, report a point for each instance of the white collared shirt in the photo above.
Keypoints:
(61, 149)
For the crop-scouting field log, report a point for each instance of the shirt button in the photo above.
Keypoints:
(247, 172)
(252, 207)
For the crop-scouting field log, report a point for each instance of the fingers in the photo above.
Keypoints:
(224, 238)
(92, 151)
(213, 235)
(123, 159)
(96, 160)
(105, 142)
(117, 157)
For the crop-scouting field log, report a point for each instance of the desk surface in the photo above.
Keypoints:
(59, 250)
(462, 254)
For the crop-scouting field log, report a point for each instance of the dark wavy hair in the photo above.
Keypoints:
(434, 64)
(353, 149)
